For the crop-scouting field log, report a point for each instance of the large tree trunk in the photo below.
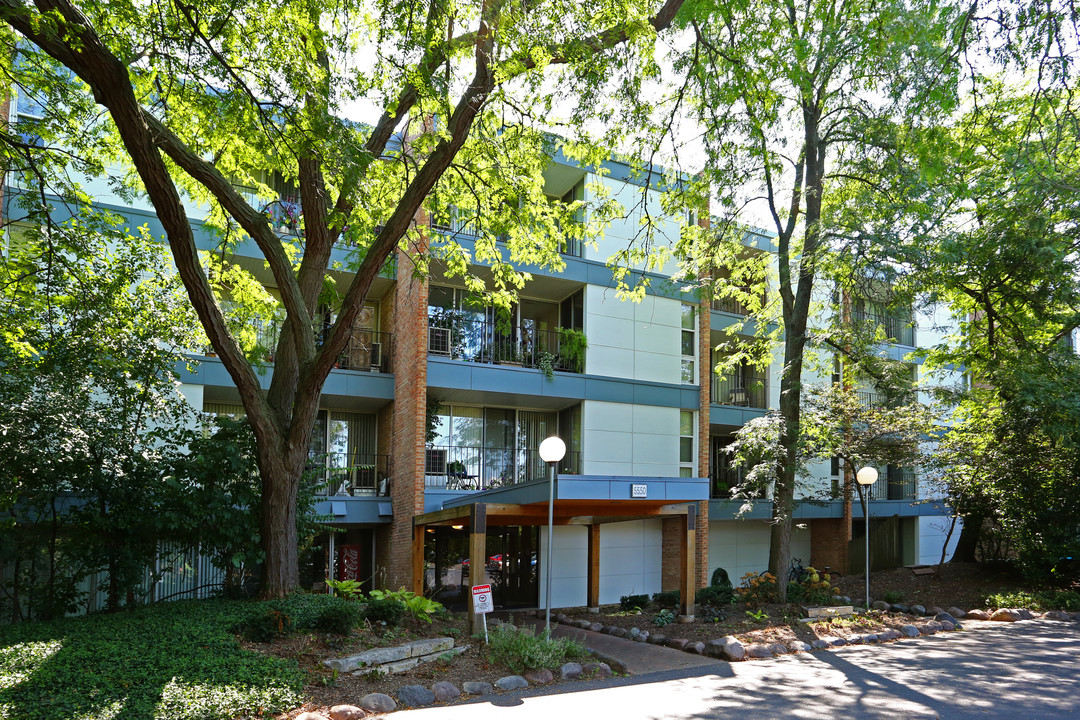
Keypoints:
(968, 541)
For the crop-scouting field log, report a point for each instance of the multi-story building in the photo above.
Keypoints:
(427, 446)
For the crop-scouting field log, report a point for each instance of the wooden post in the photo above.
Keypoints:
(418, 565)
(594, 568)
(687, 562)
(477, 557)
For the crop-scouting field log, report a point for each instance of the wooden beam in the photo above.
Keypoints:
(688, 562)
(437, 517)
(477, 558)
(418, 567)
(593, 594)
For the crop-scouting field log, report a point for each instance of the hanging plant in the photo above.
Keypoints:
(545, 362)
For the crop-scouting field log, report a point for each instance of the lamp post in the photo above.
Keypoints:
(552, 450)
(866, 477)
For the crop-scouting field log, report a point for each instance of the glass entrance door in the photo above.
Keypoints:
(510, 566)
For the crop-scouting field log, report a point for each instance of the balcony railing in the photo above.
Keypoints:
(747, 391)
(355, 474)
(491, 342)
(894, 484)
(724, 479)
(900, 329)
(480, 468)
(366, 350)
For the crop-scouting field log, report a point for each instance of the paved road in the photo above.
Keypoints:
(1017, 671)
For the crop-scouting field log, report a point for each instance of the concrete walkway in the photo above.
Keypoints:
(625, 656)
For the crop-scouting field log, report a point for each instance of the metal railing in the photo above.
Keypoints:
(481, 468)
(747, 391)
(356, 474)
(483, 341)
(366, 350)
(896, 483)
(900, 329)
(724, 479)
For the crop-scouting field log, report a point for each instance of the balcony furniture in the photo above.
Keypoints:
(738, 397)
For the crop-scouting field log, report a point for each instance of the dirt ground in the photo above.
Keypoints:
(965, 585)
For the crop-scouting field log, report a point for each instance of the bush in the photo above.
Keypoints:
(267, 624)
(1063, 600)
(1019, 599)
(417, 606)
(717, 596)
(665, 617)
(893, 596)
(633, 602)
(667, 599)
(521, 651)
(340, 618)
(385, 610)
(796, 593)
(720, 578)
(757, 589)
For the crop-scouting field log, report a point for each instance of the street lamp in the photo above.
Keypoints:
(866, 477)
(552, 450)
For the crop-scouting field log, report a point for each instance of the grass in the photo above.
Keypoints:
(174, 660)
(522, 651)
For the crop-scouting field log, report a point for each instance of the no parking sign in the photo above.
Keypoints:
(482, 602)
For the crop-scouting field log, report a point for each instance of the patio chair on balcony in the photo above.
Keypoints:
(739, 397)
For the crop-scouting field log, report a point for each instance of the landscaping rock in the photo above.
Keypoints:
(511, 682)
(477, 688)
(978, 615)
(695, 648)
(345, 712)
(560, 616)
(935, 610)
(819, 644)
(870, 638)
(1026, 614)
(836, 641)
(1006, 615)
(583, 624)
(956, 612)
(880, 605)
(727, 648)
(415, 696)
(571, 671)
(778, 649)
(657, 639)
(595, 627)
(620, 632)
(799, 646)
(758, 651)
(900, 608)
(935, 626)
(677, 643)
(539, 676)
(947, 626)
(927, 630)
(887, 635)
(1057, 615)
(918, 610)
(378, 703)
(634, 633)
(944, 617)
(310, 716)
(596, 669)
(839, 600)
(445, 691)
(910, 631)
(644, 636)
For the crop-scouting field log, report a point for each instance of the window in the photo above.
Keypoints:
(686, 443)
(689, 345)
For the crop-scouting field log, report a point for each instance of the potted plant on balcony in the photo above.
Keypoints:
(572, 346)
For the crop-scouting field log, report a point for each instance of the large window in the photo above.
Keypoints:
(686, 443)
(688, 343)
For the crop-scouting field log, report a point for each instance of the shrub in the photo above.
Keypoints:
(340, 618)
(1062, 600)
(1019, 599)
(756, 589)
(713, 595)
(264, 626)
(796, 593)
(817, 589)
(665, 617)
(669, 598)
(524, 651)
(385, 610)
(417, 606)
(633, 602)
(720, 578)
(893, 596)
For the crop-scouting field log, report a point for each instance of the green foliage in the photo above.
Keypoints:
(1043, 600)
(759, 615)
(720, 578)
(346, 588)
(715, 595)
(1061, 600)
(417, 606)
(893, 596)
(664, 617)
(172, 661)
(796, 593)
(386, 610)
(756, 589)
(633, 602)
(572, 347)
(1017, 599)
(668, 598)
(522, 651)
(340, 618)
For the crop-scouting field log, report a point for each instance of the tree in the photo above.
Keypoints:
(783, 89)
(202, 95)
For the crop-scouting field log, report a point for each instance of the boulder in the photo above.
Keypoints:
(935, 610)
(634, 633)
(677, 643)
(695, 648)
(978, 615)
(947, 626)
(819, 644)
(928, 630)
(596, 669)
(415, 696)
(758, 651)
(310, 716)
(620, 632)
(918, 610)
(944, 617)
(909, 631)
(595, 627)
(1026, 614)
(477, 688)
(727, 648)
(880, 605)
(583, 624)
(445, 691)
(837, 641)
(888, 634)
(935, 626)
(800, 646)
(560, 616)
(657, 639)
(571, 671)
(956, 612)
(778, 649)
(378, 703)
(346, 712)
(900, 608)
(511, 682)
(539, 676)
(1057, 615)
(644, 636)
(1006, 615)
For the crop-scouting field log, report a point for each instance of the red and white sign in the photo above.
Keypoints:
(481, 596)
(348, 562)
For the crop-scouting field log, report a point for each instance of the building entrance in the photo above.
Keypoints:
(510, 566)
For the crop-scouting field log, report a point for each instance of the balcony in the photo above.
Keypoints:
(482, 341)
(481, 468)
(899, 329)
(350, 474)
(748, 391)
(366, 351)
(896, 483)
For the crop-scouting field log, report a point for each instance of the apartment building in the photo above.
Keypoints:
(427, 445)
